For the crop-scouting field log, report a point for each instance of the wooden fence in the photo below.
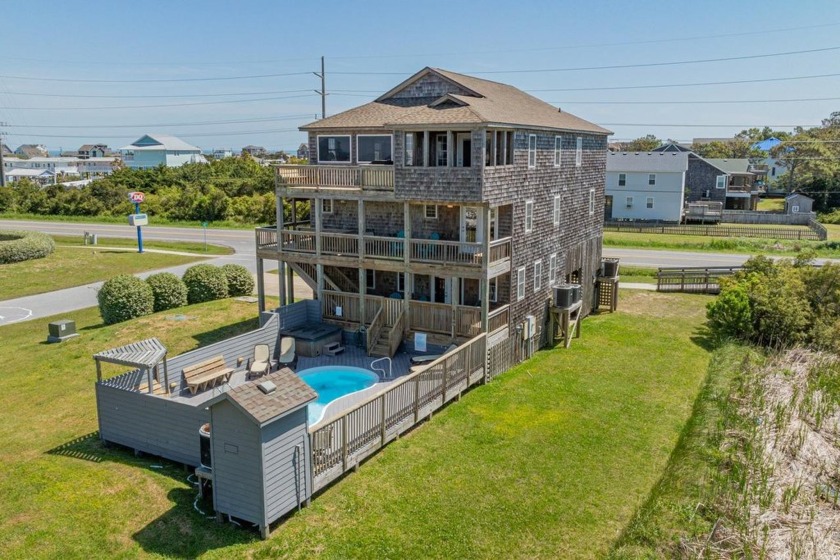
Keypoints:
(696, 280)
(776, 218)
(811, 232)
(342, 443)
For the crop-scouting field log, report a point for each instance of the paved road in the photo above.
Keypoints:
(654, 258)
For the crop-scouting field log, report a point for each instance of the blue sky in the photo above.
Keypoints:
(378, 44)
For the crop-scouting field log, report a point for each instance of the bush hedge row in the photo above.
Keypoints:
(19, 246)
(125, 297)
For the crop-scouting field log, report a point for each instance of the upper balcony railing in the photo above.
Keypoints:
(741, 188)
(332, 177)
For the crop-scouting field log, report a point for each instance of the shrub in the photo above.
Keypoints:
(169, 291)
(18, 246)
(125, 297)
(239, 279)
(205, 282)
(730, 315)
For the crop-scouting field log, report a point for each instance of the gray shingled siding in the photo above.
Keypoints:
(429, 87)
(286, 473)
(701, 177)
(298, 314)
(237, 464)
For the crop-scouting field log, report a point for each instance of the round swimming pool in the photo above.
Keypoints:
(333, 382)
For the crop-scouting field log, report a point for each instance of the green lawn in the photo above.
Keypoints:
(71, 266)
(153, 220)
(667, 241)
(771, 205)
(550, 460)
(182, 246)
(638, 274)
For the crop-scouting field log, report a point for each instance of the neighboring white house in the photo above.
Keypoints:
(60, 167)
(41, 176)
(152, 150)
(222, 153)
(645, 186)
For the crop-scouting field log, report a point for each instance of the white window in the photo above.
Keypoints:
(794, 208)
(494, 290)
(401, 281)
(373, 147)
(622, 179)
(649, 202)
(579, 152)
(558, 143)
(334, 149)
(529, 216)
(537, 275)
(629, 202)
(591, 201)
(552, 269)
(326, 206)
(555, 218)
(520, 283)
(652, 179)
(430, 211)
(370, 275)
(720, 183)
(532, 151)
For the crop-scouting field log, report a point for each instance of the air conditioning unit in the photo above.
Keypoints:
(566, 295)
(529, 327)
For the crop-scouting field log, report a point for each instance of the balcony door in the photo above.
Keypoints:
(472, 224)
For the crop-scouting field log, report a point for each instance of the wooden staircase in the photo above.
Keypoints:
(382, 346)
(385, 338)
(334, 278)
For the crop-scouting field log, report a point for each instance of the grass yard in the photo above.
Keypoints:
(71, 266)
(771, 205)
(550, 460)
(154, 220)
(638, 274)
(182, 246)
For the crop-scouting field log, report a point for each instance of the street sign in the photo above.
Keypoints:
(138, 219)
(136, 197)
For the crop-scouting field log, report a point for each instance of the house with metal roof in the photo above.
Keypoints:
(152, 150)
(645, 186)
(455, 202)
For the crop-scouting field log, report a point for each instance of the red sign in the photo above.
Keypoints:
(136, 197)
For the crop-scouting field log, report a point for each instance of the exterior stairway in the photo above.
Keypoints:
(334, 278)
(382, 345)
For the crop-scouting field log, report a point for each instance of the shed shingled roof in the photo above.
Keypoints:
(291, 393)
(494, 103)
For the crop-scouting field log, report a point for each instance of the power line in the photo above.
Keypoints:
(33, 94)
(692, 84)
(207, 123)
(184, 134)
(693, 125)
(614, 66)
(157, 105)
(159, 80)
(681, 102)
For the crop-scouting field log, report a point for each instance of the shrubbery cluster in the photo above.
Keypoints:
(125, 297)
(19, 246)
(780, 303)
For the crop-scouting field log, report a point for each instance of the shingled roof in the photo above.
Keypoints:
(469, 101)
(291, 392)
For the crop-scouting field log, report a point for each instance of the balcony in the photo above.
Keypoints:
(332, 178)
(425, 251)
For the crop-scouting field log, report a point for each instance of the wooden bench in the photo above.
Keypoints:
(208, 373)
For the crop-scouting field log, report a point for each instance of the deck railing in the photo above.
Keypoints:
(384, 247)
(500, 249)
(396, 334)
(455, 252)
(375, 328)
(339, 244)
(266, 237)
(498, 318)
(373, 177)
(703, 280)
(343, 442)
(297, 241)
(440, 318)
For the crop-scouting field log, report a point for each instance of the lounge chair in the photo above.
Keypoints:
(426, 358)
(287, 351)
(262, 362)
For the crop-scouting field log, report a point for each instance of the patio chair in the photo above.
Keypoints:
(426, 358)
(262, 362)
(287, 351)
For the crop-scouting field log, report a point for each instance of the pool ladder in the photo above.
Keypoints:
(390, 372)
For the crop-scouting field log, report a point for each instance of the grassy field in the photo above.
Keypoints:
(182, 246)
(550, 460)
(154, 220)
(71, 266)
(771, 205)
(638, 274)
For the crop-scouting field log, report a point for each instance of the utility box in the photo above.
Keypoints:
(59, 331)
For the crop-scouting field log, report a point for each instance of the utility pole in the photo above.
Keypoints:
(323, 91)
(2, 165)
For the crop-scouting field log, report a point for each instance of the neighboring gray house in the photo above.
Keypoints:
(303, 151)
(32, 150)
(798, 203)
(88, 151)
(6, 150)
(728, 181)
(645, 186)
(254, 151)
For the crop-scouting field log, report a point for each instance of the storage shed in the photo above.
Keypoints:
(798, 203)
(260, 449)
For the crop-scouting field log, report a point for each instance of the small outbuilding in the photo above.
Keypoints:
(259, 447)
(798, 203)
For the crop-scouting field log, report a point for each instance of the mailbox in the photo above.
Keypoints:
(138, 219)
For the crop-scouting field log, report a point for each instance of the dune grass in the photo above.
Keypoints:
(550, 460)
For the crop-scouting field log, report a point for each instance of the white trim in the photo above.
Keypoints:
(629, 202)
(622, 179)
(552, 269)
(520, 283)
(318, 147)
(558, 151)
(426, 212)
(529, 205)
(555, 213)
(649, 202)
(579, 151)
(537, 275)
(651, 179)
(323, 208)
(358, 136)
(717, 182)
(532, 153)
(591, 202)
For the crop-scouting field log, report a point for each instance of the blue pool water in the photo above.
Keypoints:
(333, 382)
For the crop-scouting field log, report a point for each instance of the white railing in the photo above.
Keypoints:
(374, 177)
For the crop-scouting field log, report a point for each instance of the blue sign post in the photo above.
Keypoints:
(137, 198)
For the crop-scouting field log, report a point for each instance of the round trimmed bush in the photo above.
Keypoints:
(19, 246)
(205, 282)
(169, 291)
(239, 279)
(125, 297)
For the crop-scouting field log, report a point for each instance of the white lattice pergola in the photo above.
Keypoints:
(146, 355)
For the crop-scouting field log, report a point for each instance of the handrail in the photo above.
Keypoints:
(374, 329)
(390, 367)
(395, 336)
